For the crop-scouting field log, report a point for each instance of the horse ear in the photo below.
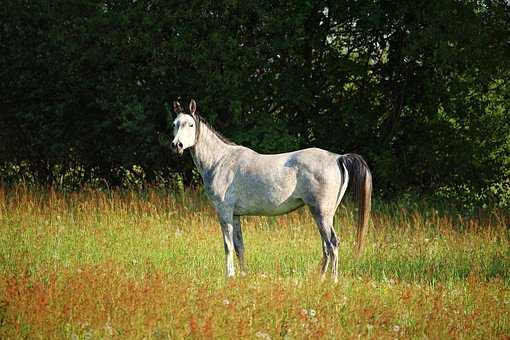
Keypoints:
(177, 107)
(192, 107)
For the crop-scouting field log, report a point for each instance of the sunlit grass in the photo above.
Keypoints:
(151, 264)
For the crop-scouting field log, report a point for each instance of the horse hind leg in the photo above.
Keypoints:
(334, 255)
(332, 251)
(325, 259)
(329, 242)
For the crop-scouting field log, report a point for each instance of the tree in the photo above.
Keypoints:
(420, 89)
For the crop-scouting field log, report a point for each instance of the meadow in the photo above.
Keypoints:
(127, 264)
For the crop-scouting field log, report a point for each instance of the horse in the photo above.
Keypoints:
(241, 182)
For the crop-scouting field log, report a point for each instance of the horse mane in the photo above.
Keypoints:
(201, 120)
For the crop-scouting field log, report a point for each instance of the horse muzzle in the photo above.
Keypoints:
(177, 148)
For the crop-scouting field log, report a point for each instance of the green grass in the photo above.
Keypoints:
(123, 264)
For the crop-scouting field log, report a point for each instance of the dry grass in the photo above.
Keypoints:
(113, 264)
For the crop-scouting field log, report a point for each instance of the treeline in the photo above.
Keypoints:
(419, 88)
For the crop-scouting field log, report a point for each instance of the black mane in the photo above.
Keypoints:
(201, 121)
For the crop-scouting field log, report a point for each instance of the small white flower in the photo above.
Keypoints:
(344, 301)
(263, 335)
(312, 313)
(226, 302)
(108, 328)
(396, 328)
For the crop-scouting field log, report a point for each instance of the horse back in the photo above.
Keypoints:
(272, 184)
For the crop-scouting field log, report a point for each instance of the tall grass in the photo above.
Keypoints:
(151, 264)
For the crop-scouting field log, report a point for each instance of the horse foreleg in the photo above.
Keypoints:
(227, 229)
(238, 243)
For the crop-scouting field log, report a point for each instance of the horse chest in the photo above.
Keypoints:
(216, 184)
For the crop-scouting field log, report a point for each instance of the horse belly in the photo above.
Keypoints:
(268, 208)
(267, 199)
(267, 186)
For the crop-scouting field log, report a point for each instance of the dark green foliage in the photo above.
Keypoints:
(419, 88)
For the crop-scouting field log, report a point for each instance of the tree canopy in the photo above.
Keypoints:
(420, 88)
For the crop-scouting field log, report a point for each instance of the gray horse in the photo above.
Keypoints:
(240, 181)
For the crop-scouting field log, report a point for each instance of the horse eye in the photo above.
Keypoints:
(191, 125)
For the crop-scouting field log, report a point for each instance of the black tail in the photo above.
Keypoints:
(361, 179)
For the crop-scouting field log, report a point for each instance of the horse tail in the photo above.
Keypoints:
(359, 174)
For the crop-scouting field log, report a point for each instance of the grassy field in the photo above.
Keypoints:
(124, 264)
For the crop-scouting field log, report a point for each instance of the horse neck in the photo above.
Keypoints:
(208, 150)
